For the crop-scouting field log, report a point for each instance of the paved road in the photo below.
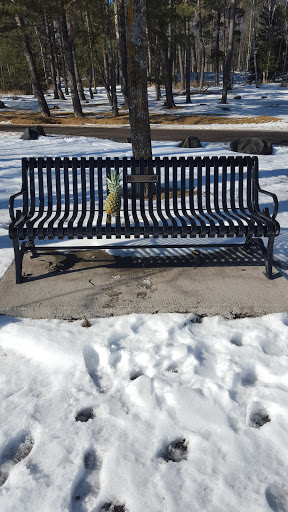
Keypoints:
(120, 134)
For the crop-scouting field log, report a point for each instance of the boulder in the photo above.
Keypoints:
(190, 142)
(237, 97)
(252, 146)
(32, 133)
(2, 105)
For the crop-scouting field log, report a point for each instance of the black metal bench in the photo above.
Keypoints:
(162, 198)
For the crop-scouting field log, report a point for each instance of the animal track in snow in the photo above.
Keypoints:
(172, 368)
(248, 377)
(85, 415)
(257, 415)
(15, 451)
(237, 339)
(277, 498)
(87, 489)
(176, 451)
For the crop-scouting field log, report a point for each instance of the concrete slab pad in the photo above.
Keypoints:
(226, 282)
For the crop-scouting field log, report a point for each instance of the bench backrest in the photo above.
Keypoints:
(174, 183)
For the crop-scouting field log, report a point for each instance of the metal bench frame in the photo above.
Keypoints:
(162, 198)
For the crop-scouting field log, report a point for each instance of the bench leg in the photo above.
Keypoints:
(18, 253)
(268, 257)
(30, 246)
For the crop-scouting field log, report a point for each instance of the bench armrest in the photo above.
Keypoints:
(275, 200)
(11, 204)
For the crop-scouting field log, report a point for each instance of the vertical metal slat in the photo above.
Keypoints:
(79, 228)
(125, 199)
(92, 197)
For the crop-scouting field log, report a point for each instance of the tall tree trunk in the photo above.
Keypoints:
(78, 77)
(57, 66)
(36, 86)
(51, 57)
(64, 68)
(168, 64)
(181, 67)
(137, 76)
(201, 45)
(217, 47)
(188, 62)
(254, 44)
(70, 64)
(228, 61)
(106, 76)
(195, 61)
(92, 67)
(42, 57)
(122, 48)
(112, 70)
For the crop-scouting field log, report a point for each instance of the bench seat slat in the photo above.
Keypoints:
(264, 226)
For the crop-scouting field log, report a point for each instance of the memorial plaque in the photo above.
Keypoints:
(142, 178)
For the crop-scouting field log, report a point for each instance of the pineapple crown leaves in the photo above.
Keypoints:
(113, 183)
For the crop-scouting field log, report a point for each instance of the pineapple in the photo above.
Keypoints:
(113, 200)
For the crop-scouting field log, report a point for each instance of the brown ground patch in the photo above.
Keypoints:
(67, 118)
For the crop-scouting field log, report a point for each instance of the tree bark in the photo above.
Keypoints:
(137, 76)
(36, 86)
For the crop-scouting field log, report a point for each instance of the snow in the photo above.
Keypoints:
(211, 395)
(146, 381)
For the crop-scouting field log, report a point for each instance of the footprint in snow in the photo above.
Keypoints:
(176, 451)
(257, 415)
(87, 488)
(15, 451)
(237, 339)
(172, 368)
(135, 374)
(85, 415)
(115, 357)
(248, 377)
(114, 507)
(91, 358)
(277, 498)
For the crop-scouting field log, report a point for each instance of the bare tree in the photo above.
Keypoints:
(36, 86)
(137, 76)
(228, 60)
(70, 62)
